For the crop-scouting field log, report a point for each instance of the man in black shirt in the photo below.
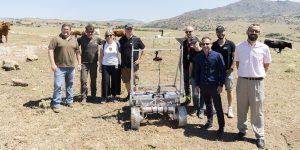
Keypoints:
(89, 56)
(227, 49)
(128, 42)
(188, 54)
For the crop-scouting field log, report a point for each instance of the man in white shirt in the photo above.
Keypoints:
(252, 60)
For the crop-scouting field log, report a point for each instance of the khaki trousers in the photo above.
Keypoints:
(250, 93)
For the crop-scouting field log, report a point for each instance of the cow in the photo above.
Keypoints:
(119, 32)
(4, 28)
(278, 44)
(77, 33)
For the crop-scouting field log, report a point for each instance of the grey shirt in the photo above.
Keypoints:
(89, 48)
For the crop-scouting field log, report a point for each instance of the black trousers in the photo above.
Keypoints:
(111, 80)
(186, 79)
(209, 93)
(87, 68)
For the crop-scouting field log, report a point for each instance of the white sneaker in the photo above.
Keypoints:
(230, 112)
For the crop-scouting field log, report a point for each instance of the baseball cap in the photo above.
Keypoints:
(128, 26)
(220, 29)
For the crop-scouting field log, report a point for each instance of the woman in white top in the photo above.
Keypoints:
(110, 68)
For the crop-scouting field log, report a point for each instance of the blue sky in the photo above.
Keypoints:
(98, 10)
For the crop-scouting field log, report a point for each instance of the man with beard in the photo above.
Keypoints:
(252, 60)
(227, 49)
(62, 51)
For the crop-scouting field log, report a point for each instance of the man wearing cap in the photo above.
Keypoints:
(126, 43)
(227, 49)
(89, 57)
(252, 60)
(189, 52)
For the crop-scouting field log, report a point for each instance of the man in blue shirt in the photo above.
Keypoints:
(210, 77)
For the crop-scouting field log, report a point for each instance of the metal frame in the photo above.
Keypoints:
(157, 101)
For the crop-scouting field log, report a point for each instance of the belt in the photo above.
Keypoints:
(253, 78)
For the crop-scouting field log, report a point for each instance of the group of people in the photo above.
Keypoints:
(63, 49)
(207, 65)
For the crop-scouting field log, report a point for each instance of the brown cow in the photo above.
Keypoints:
(119, 32)
(4, 28)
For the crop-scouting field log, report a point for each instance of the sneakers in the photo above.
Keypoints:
(55, 109)
(114, 99)
(207, 126)
(260, 143)
(187, 101)
(201, 114)
(103, 100)
(230, 112)
(240, 136)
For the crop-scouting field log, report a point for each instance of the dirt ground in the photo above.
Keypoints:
(24, 125)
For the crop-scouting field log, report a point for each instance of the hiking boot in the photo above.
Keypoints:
(230, 113)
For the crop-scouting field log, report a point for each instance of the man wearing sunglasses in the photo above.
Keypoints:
(227, 49)
(189, 53)
(210, 77)
(252, 60)
(89, 57)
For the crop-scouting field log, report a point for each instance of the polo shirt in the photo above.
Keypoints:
(126, 49)
(64, 50)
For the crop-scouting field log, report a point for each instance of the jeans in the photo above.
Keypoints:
(198, 101)
(209, 93)
(85, 69)
(60, 75)
(111, 80)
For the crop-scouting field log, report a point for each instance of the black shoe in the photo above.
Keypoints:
(240, 136)
(207, 126)
(220, 133)
(260, 143)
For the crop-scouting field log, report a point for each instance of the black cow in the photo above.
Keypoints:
(278, 44)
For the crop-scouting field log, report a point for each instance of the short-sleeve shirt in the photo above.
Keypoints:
(126, 49)
(252, 58)
(89, 48)
(227, 51)
(64, 50)
(110, 54)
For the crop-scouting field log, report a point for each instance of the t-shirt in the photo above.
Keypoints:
(226, 50)
(89, 48)
(126, 49)
(64, 50)
(110, 54)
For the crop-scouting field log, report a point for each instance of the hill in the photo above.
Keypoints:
(244, 10)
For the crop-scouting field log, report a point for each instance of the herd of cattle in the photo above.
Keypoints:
(276, 44)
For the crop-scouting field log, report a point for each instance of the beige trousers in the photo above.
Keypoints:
(250, 93)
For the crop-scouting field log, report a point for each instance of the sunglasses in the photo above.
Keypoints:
(253, 30)
(205, 43)
(188, 31)
(90, 32)
(109, 35)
